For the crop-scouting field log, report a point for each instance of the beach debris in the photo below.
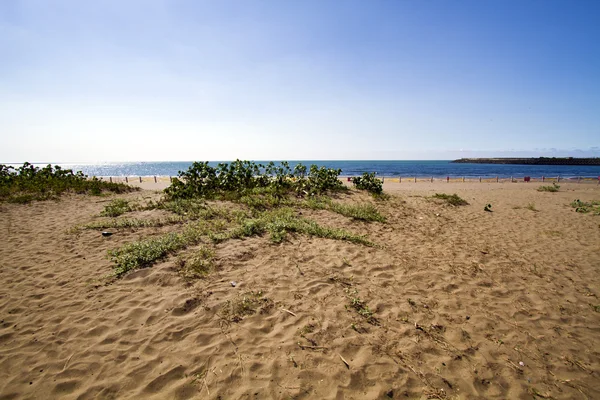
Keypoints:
(521, 363)
(288, 311)
(468, 317)
(390, 393)
(233, 283)
(106, 234)
(344, 360)
(488, 208)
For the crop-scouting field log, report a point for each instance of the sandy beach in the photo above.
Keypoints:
(466, 304)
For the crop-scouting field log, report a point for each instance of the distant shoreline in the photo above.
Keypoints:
(400, 168)
(531, 161)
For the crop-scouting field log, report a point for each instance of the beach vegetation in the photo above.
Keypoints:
(236, 179)
(279, 222)
(257, 200)
(220, 226)
(363, 212)
(531, 206)
(197, 265)
(452, 199)
(183, 207)
(248, 303)
(368, 182)
(360, 306)
(116, 207)
(134, 223)
(29, 183)
(585, 207)
(144, 253)
(553, 188)
(265, 198)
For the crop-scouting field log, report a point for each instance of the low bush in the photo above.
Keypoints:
(233, 181)
(368, 182)
(28, 183)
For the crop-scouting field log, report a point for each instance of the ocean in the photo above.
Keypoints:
(391, 168)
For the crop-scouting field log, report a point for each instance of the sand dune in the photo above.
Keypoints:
(465, 304)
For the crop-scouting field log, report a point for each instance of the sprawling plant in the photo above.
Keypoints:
(239, 178)
(28, 182)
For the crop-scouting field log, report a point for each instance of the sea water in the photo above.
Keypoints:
(385, 168)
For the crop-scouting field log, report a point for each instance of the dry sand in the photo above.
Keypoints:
(469, 304)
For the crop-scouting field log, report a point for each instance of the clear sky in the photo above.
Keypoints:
(126, 80)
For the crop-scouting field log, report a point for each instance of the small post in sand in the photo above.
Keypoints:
(154, 178)
(126, 181)
(415, 179)
(497, 179)
(140, 179)
(110, 179)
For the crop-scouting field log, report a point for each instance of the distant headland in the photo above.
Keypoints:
(532, 161)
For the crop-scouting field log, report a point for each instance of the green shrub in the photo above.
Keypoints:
(28, 183)
(239, 178)
(368, 182)
(452, 199)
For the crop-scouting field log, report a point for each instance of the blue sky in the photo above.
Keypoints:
(87, 81)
